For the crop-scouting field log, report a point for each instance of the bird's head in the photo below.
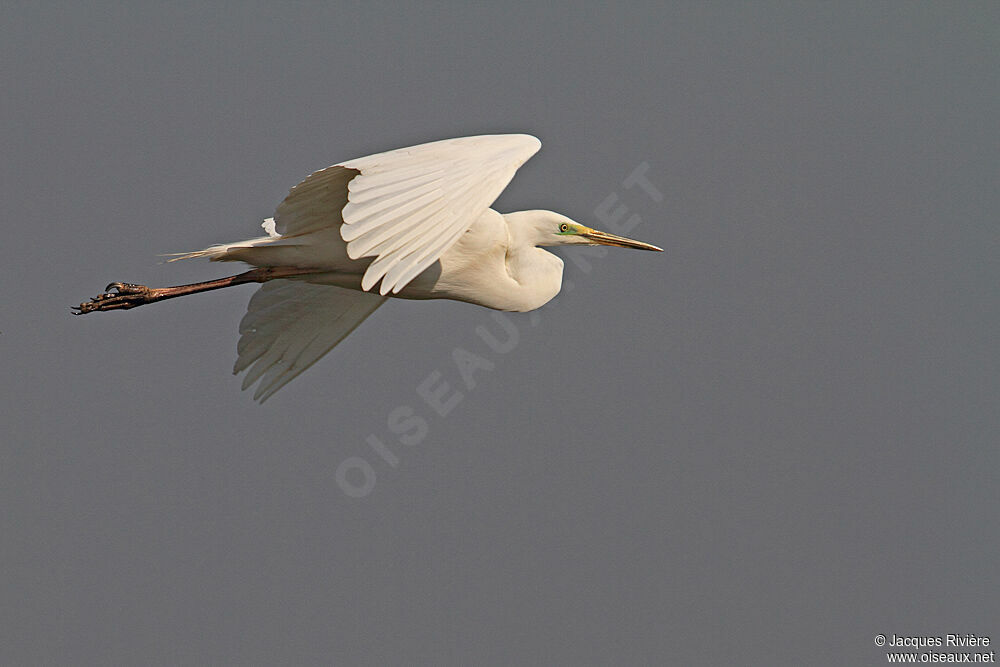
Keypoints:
(547, 228)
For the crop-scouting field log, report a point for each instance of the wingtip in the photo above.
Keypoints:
(535, 141)
(368, 281)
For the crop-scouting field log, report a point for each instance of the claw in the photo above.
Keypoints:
(116, 296)
(125, 288)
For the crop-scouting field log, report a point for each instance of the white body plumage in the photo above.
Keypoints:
(486, 265)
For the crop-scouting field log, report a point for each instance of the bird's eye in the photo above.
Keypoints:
(564, 227)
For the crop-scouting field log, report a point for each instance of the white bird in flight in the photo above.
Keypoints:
(415, 221)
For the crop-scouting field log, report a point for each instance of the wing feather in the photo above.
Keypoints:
(405, 207)
(377, 222)
(391, 182)
(315, 203)
(396, 234)
(290, 325)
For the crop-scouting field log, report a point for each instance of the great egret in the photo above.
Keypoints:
(416, 220)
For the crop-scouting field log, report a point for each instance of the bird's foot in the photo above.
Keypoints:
(117, 296)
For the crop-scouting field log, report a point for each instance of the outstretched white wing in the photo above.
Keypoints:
(290, 324)
(406, 207)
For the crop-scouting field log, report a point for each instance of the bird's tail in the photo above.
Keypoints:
(230, 252)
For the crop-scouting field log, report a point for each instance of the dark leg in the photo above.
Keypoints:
(127, 295)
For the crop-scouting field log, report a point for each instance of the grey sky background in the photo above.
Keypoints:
(764, 446)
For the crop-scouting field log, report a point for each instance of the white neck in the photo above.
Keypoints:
(537, 271)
